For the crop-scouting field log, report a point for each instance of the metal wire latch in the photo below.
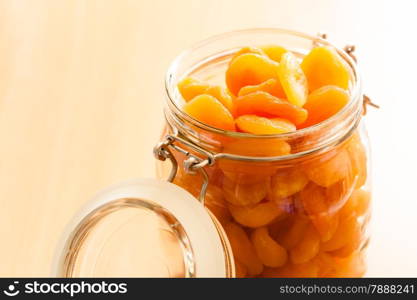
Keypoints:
(192, 165)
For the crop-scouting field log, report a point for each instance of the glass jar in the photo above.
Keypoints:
(292, 205)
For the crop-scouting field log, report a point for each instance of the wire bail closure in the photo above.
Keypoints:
(192, 165)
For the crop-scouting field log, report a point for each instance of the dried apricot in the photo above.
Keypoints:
(190, 87)
(358, 203)
(351, 266)
(363, 200)
(307, 248)
(271, 86)
(244, 194)
(338, 193)
(348, 231)
(257, 215)
(222, 95)
(313, 198)
(249, 69)
(240, 269)
(269, 251)
(215, 202)
(274, 52)
(280, 225)
(330, 168)
(291, 236)
(257, 147)
(260, 125)
(245, 173)
(242, 248)
(207, 109)
(357, 154)
(251, 172)
(246, 50)
(263, 104)
(287, 182)
(324, 66)
(292, 79)
(324, 103)
(245, 177)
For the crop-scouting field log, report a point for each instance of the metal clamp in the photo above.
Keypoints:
(192, 165)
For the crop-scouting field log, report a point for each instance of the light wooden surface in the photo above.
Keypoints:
(81, 97)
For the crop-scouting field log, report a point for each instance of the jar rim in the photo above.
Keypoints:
(355, 93)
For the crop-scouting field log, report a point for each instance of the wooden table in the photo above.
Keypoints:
(81, 98)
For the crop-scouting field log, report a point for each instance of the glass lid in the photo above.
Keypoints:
(144, 228)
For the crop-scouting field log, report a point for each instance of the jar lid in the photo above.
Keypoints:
(144, 228)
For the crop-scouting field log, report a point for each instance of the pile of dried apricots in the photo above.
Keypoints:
(306, 219)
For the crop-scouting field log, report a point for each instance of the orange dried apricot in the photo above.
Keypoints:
(260, 125)
(274, 52)
(257, 147)
(351, 247)
(190, 87)
(207, 109)
(291, 236)
(251, 172)
(352, 266)
(338, 193)
(246, 177)
(346, 267)
(314, 202)
(292, 79)
(257, 215)
(324, 103)
(280, 225)
(240, 269)
(269, 251)
(215, 202)
(245, 173)
(363, 201)
(324, 66)
(271, 86)
(222, 95)
(243, 250)
(330, 266)
(263, 104)
(330, 168)
(246, 50)
(287, 182)
(358, 203)
(348, 231)
(249, 69)
(244, 194)
(307, 248)
(357, 154)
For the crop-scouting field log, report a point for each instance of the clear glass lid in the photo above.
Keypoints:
(144, 228)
